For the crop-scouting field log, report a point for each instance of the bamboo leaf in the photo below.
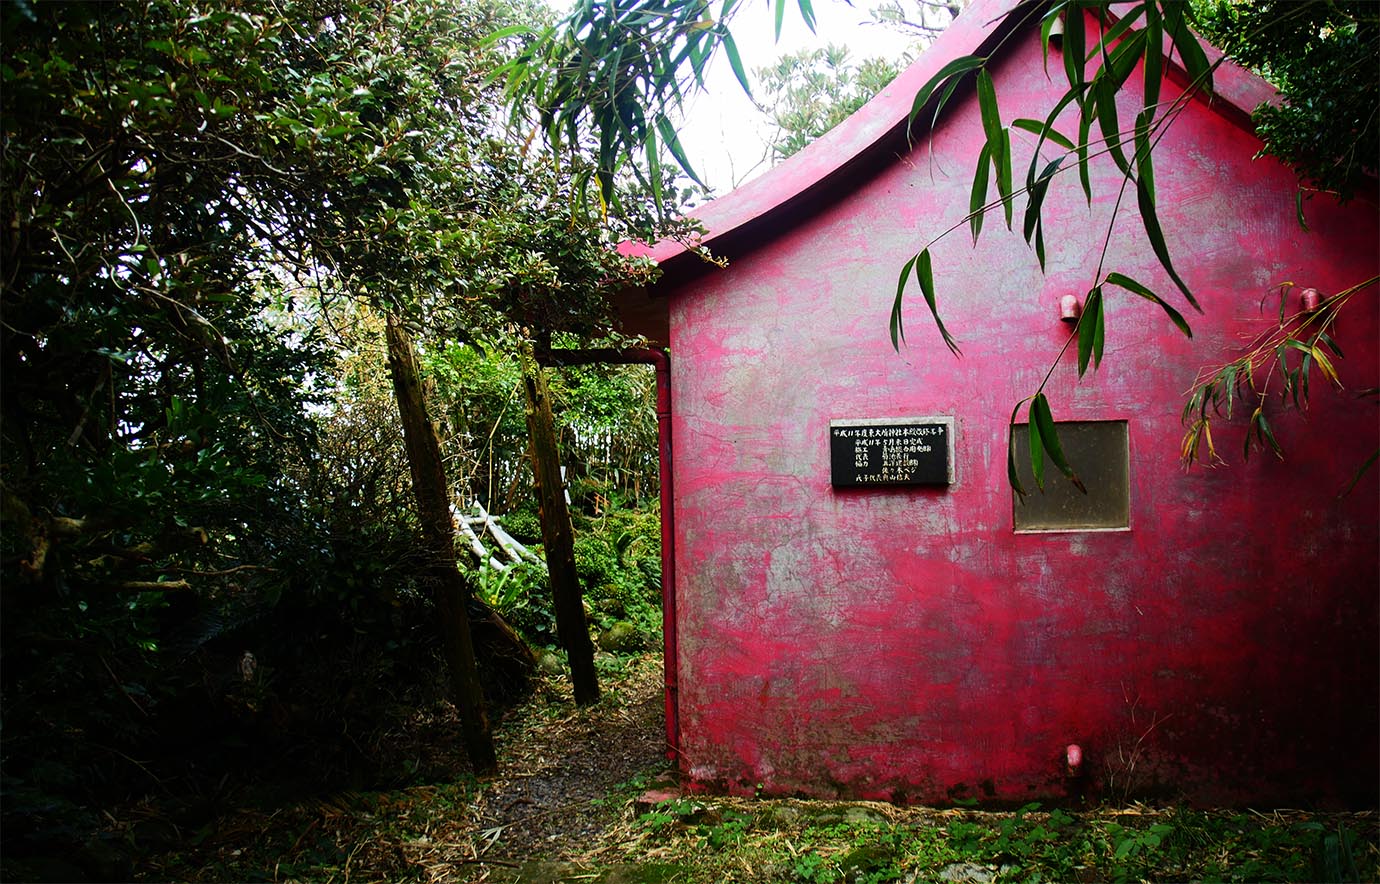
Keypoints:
(1075, 46)
(1325, 365)
(1356, 477)
(1104, 101)
(1046, 131)
(1084, 131)
(1011, 473)
(954, 69)
(614, 64)
(1154, 57)
(698, 59)
(898, 332)
(1089, 325)
(1037, 450)
(1004, 186)
(505, 33)
(1151, 222)
(998, 139)
(807, 14)
(1188, 447)
(1127, 19)
(1190, 52)
(1036, 198)
(1047, 24)
(943, 100)
(736, 62)
(672, 142)
(1136, 288)
(1267, 434)
(1145, 167)
(925, 275)
(1124, 57)
(654, 169)
(1099, 329)
(978, 198)
(1041, 417)
(987, 106)
(780, 17)
(1326, 339)
(1298, 207)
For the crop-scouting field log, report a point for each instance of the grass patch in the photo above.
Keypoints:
(738, 840)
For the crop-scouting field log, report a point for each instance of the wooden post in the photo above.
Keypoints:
(557, 534)
(438, 534)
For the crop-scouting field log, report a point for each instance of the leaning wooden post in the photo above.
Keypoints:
(438, 534)
(557, 535)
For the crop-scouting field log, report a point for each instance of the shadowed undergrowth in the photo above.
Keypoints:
(568, 806)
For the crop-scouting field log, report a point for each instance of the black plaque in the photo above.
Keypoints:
(891, 451)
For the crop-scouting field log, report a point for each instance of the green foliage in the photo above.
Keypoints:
(813, 867)
(1256, 34)
(1319, 53)
(811, 91)
(605, 416)
(1290, 354)
(618, 560)
(608, 435)
(199, 205)
(522, 597)
(591, 84)
(1320, 56)
(795, 843)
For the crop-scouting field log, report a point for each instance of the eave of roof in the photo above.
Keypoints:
(883, 125)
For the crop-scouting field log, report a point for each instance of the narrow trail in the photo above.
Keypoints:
(562, 810)
(546, 801)
(562, 792)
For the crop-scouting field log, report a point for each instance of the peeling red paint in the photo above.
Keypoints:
(906, 644)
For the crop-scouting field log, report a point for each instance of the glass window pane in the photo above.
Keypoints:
(1099, 454)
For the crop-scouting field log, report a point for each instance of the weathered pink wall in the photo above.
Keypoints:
(905, 643)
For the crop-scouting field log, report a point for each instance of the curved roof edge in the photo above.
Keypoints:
(977, 31)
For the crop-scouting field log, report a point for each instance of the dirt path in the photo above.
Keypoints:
(566, 776)
(548, 801)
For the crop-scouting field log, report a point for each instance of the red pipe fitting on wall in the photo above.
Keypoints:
(1073, 757)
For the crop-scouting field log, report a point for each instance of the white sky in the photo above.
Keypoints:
(724, 136)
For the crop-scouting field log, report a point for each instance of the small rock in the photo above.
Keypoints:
(610, 606)
(862, 860)
(550, 662)
(647, 801)
(621, 638)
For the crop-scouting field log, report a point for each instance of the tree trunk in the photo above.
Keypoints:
(438, 534)
(557, 535)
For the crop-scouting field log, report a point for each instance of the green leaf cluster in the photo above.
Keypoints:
(1119, 40)
(1321, 58)
(200, 204)
(809, 92)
